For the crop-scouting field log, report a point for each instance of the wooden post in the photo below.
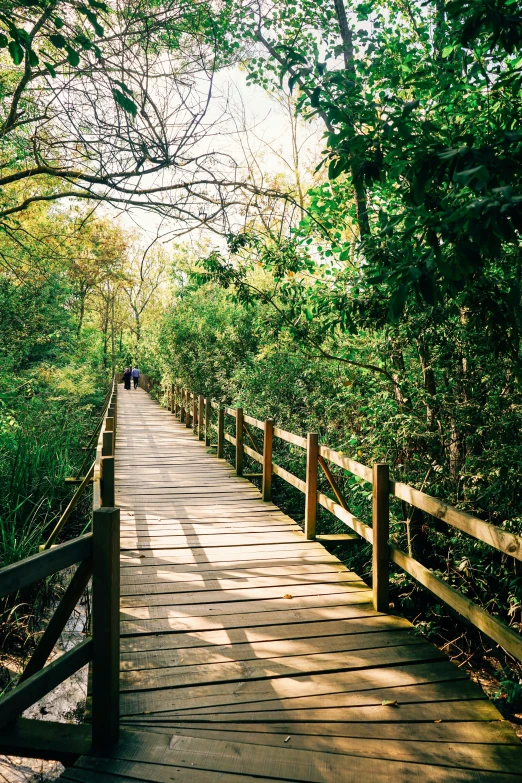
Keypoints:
(201, 420)
(107, 481)
(221, 431)
(312, 453)
(240, 454)
(181, 405)
(208, 409)
(106, 627)
(194, 410)
(177, 406)
(381, 534)
(109, 424)
(172, 398)
(187, 409)
(108, 444)
(268, 436)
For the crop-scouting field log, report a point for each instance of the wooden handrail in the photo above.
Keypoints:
(99, 423)
(16, 576)
(44, 681)
(59, 619)
(70, 507)
(378, 533)
(485, 622)
(289, 437)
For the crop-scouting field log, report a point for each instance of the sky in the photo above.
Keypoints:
(253, 127)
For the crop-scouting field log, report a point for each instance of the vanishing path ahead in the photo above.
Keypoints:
(252, 654)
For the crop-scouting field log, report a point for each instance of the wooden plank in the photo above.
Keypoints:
(506, 542)
(178, 676)
(508, 639)
(255, 455)
(18, 575)
(311, 485)
(289, 437)
(231, 539)
(196, 623)
(204, 698)
(238, 593)
(345, 462)
(453, 754)
(281, 648)
(152, 587)
(345, 516)
(284, 763)
(381, 535)
(242, 593)
(254, 422)
(105, 627)
(289, 477)
(93, 770)
(361, 594)
(258, 638)
(194, 573)
(302, 709)
(59, 619)
(43, 739)
(70, 508)
(42, 682)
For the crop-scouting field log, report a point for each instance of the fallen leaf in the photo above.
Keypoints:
(437, 721)
(389, 703)
(288, 595)
(288, 738)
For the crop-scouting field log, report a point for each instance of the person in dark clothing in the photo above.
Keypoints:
(135, 376)
(127, 378)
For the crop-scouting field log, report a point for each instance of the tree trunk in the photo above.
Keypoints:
(429, 380)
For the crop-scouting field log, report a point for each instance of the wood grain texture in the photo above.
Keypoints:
(250, 653)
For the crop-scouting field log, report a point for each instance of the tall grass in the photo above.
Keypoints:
(42, 430)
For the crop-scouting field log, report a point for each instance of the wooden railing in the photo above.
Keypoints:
(96, 555)
(196, 411)
(105, 430)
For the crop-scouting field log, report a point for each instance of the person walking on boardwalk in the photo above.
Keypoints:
(127, 378)
(135, 376)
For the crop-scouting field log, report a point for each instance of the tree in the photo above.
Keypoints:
(113, 112)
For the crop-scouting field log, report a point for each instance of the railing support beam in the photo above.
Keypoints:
(240, 454)
(106, 627)
(268, 437)
(381, 535)
(312, 453)
(221, 432)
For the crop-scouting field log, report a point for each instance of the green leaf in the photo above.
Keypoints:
(125, 102)
(336, 167)
(409, 107)
(314, 98)
(73, 57)
(58, 40)
(16, 52)
(398, 301)
(3, 41)
(448, 50)
(98, 5)
(51, 69)
(124, 87)
(58, 22)
(33, 58)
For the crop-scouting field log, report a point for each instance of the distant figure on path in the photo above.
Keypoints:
(135, 376)
(127, 378)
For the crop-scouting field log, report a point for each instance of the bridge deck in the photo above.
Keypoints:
(250, 653)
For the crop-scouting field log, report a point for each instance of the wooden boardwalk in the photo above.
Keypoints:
(252, 654)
